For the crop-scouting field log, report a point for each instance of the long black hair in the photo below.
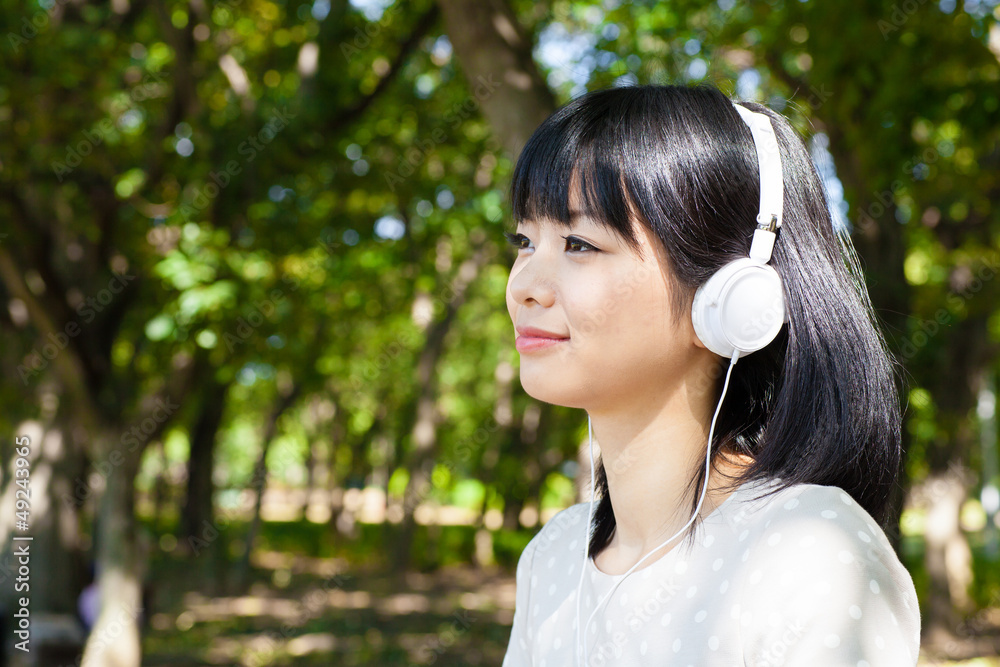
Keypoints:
(819, 404)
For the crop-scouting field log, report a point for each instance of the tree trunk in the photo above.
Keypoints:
(311, 465)
(259, 483)
(423, 431)
(114, 640)
(947, 558)
(503, 416)
(341, 518)
(198, 505)
(160, 488)
(496, 57)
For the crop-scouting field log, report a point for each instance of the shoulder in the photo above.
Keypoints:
(813, 554)
(568, 526)
(810, 516)
(812, 526)
(564, 531)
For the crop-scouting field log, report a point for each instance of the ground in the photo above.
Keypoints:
(303, 610)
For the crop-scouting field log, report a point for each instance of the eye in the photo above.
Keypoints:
(574, 241)
(515, 239)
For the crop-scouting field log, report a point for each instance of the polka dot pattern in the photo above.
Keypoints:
(801, 576)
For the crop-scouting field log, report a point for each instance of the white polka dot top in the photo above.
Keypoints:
(802, 577)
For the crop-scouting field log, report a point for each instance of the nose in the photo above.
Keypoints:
(531, 280)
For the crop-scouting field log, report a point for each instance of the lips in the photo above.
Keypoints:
(531, 338)
(532, 332)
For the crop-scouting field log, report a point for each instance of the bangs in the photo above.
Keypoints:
(678, 161)
(581, 149)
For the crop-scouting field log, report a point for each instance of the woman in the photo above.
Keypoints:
(627, 201)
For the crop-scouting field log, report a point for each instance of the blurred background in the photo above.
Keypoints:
(256, 356)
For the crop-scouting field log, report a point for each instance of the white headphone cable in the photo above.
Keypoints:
(581, 634)
(586, 552)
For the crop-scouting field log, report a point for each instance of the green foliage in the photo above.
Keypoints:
(284, 241)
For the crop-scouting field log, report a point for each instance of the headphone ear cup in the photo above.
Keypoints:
(741, 307)
(702, 310)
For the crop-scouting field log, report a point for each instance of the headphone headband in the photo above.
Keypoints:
(772, 195)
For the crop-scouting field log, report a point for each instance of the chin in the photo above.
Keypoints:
(553, 388)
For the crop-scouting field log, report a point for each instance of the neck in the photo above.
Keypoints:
(651, 453)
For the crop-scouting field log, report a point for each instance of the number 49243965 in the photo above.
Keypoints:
(21, 473)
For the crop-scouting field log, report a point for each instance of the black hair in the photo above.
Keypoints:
(819, 404)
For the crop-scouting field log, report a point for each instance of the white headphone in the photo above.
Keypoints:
(739, 310)
(741, 307)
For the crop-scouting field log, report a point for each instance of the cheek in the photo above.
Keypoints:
(509, 300)
(656, 314)
(625, 310)
(597, 312)
(640, 298)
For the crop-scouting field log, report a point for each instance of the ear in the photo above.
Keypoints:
(689, 325)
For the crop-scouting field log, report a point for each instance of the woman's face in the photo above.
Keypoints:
(612, 308)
